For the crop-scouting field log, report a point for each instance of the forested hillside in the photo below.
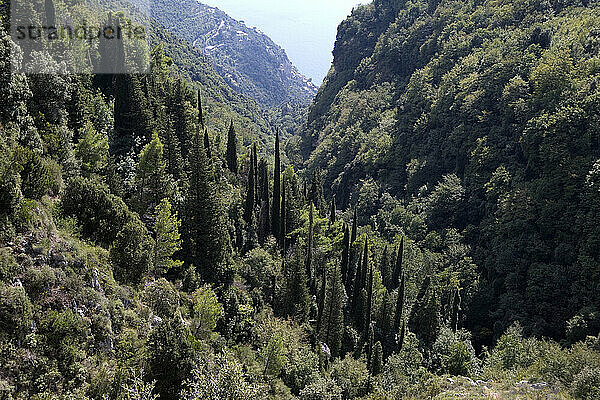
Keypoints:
(481, 117)
(160, 239)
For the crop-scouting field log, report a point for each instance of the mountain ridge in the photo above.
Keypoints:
(247, 59)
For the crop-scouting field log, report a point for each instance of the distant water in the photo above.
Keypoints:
(306, 29)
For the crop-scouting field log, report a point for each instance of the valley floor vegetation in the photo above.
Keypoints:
(144, 255)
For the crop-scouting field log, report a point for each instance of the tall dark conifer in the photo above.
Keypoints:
(231, 152)
(354, 226)
(399, 314)
(345, 255)
(255, 164)
(332, 211)
(201, 125)
(276, 215)
(203, 225)
(283, 218)
(334, 312)
(309, 250)
(369, 310)
(250, 192)
(398, 266)
(264, 218)
(321, 305)
(207, 144)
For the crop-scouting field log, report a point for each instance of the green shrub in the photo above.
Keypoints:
(453, 353)
(131, 252)
(101, 215)
(586, 385)
(8, 265)
(15, 310)
(162, 297)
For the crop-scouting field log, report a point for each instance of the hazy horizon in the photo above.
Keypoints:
(306, 30)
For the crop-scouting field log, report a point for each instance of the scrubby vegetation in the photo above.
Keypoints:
(146, 254)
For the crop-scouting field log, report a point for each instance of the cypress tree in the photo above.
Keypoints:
(205, 236)
(250, 192)
(264, 220)
(386, 268)
(345, 254)
(309, 249)
(369, 296)
(201, 125)
(365, 265)
(354, 227)
(321, 306)
(377, 367)
(356, 290)
(132, 118)
(172, 151)
(398, 266)
(296, 300)
(332, 211)
(401, 337)
(255, 165)
(275, 216)
(283, 229)
(424, 320)
(399, 315)
(455, 310)
(334, 307)
(207, 144)
(231, 153)
(370, 344)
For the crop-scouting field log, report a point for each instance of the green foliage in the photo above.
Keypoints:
(168, 239)
(162, 297)
(131, 252)
(221, 378)
(207, 311)
(92, 149)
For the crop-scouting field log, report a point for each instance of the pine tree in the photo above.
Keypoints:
(398, 266)
(231, 152)
(205, 235)
(250, 192)
(167, 238)
(151, 181)
(275, 216)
